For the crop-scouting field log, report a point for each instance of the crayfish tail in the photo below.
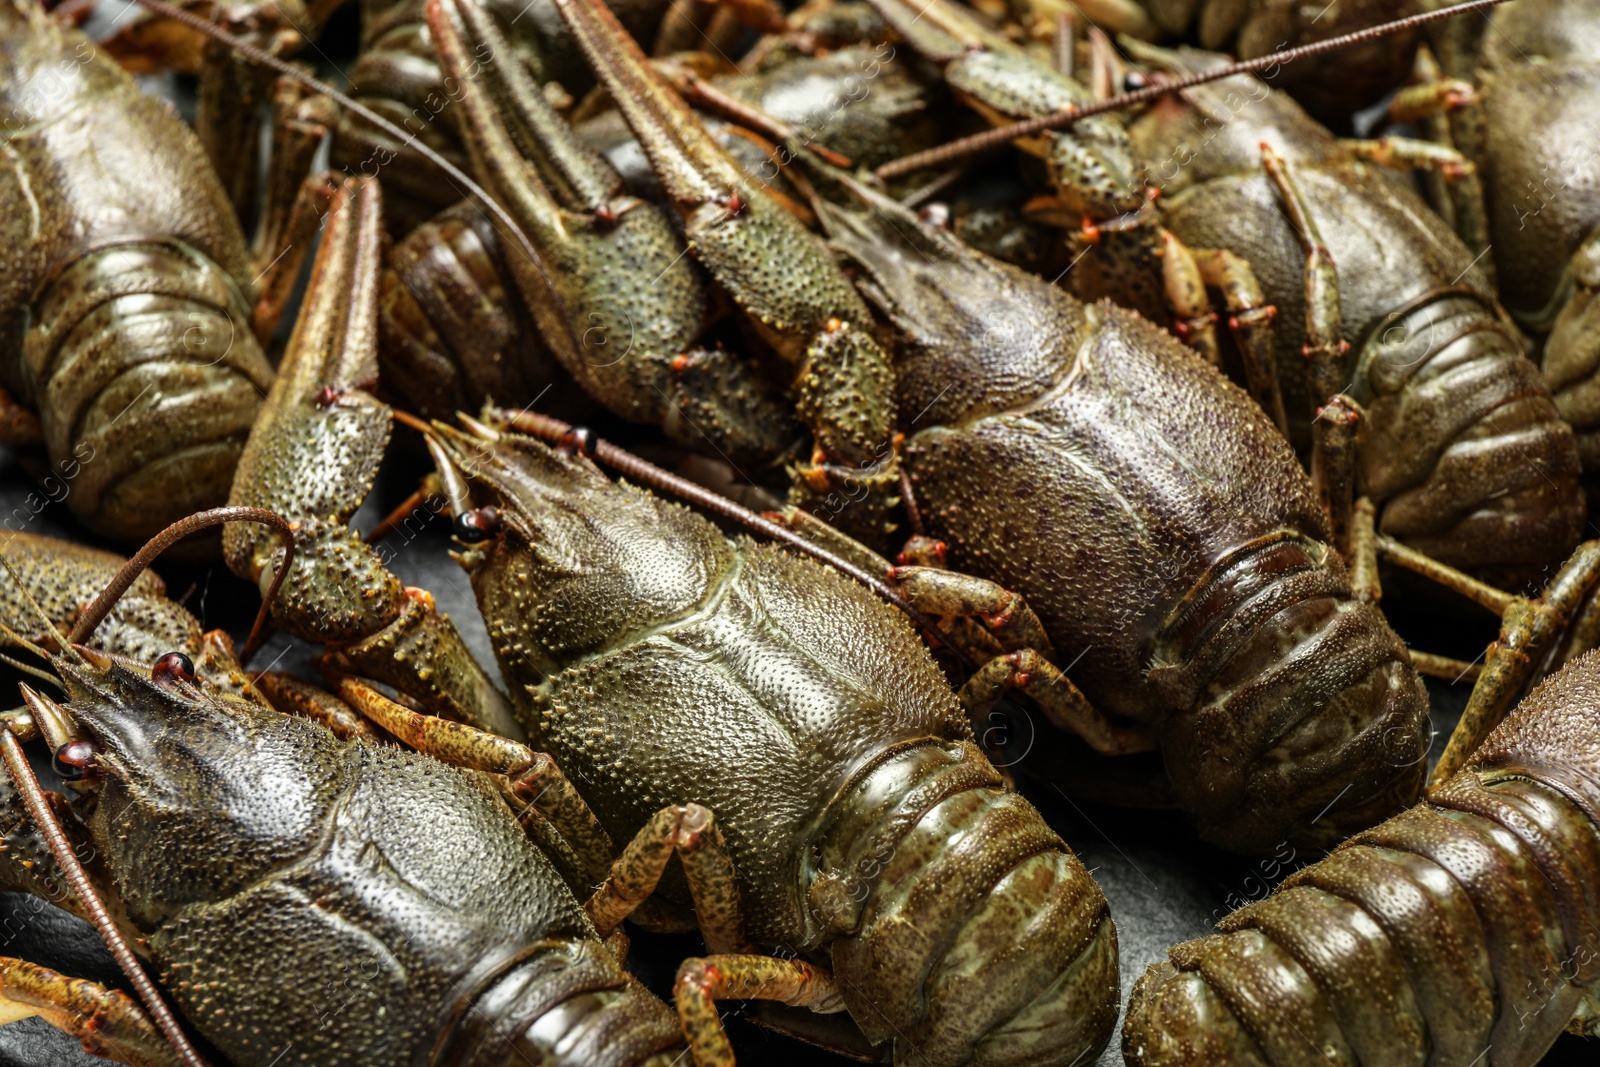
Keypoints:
(567, 1004)
(1491, 481)
(445, 324)
(976, 936)
(138, 342)
(1306, 720)
(1471, 918)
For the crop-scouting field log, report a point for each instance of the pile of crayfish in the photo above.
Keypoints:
(813, 397)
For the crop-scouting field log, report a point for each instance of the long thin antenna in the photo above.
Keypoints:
(101, 606)
(26, 668)
(45, 820)
(626, 463)
(982, 142)
(511, 231)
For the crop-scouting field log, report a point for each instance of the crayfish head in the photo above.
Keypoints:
(126, 716)
(567, 562)
(197, 794)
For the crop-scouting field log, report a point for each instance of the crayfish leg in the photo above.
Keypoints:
(690, 832)
(1536, 636)
(108, 1022)
(702, 982)
(290, 695)
(312, 457)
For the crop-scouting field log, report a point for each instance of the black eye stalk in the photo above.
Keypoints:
(477, 525)
(171, 669)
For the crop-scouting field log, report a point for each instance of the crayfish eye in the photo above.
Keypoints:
(171, 668)
(477, 525)
(71, 761)
(1133, 81)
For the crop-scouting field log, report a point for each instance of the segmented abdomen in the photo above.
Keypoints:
(147, 379)
(1463, 445)
(1297, 715)
(974, 934)
(1464, 931)
(567, 1003)
(450, 333)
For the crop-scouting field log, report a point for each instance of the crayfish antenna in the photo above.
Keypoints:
(101, 606)
(22, 642)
